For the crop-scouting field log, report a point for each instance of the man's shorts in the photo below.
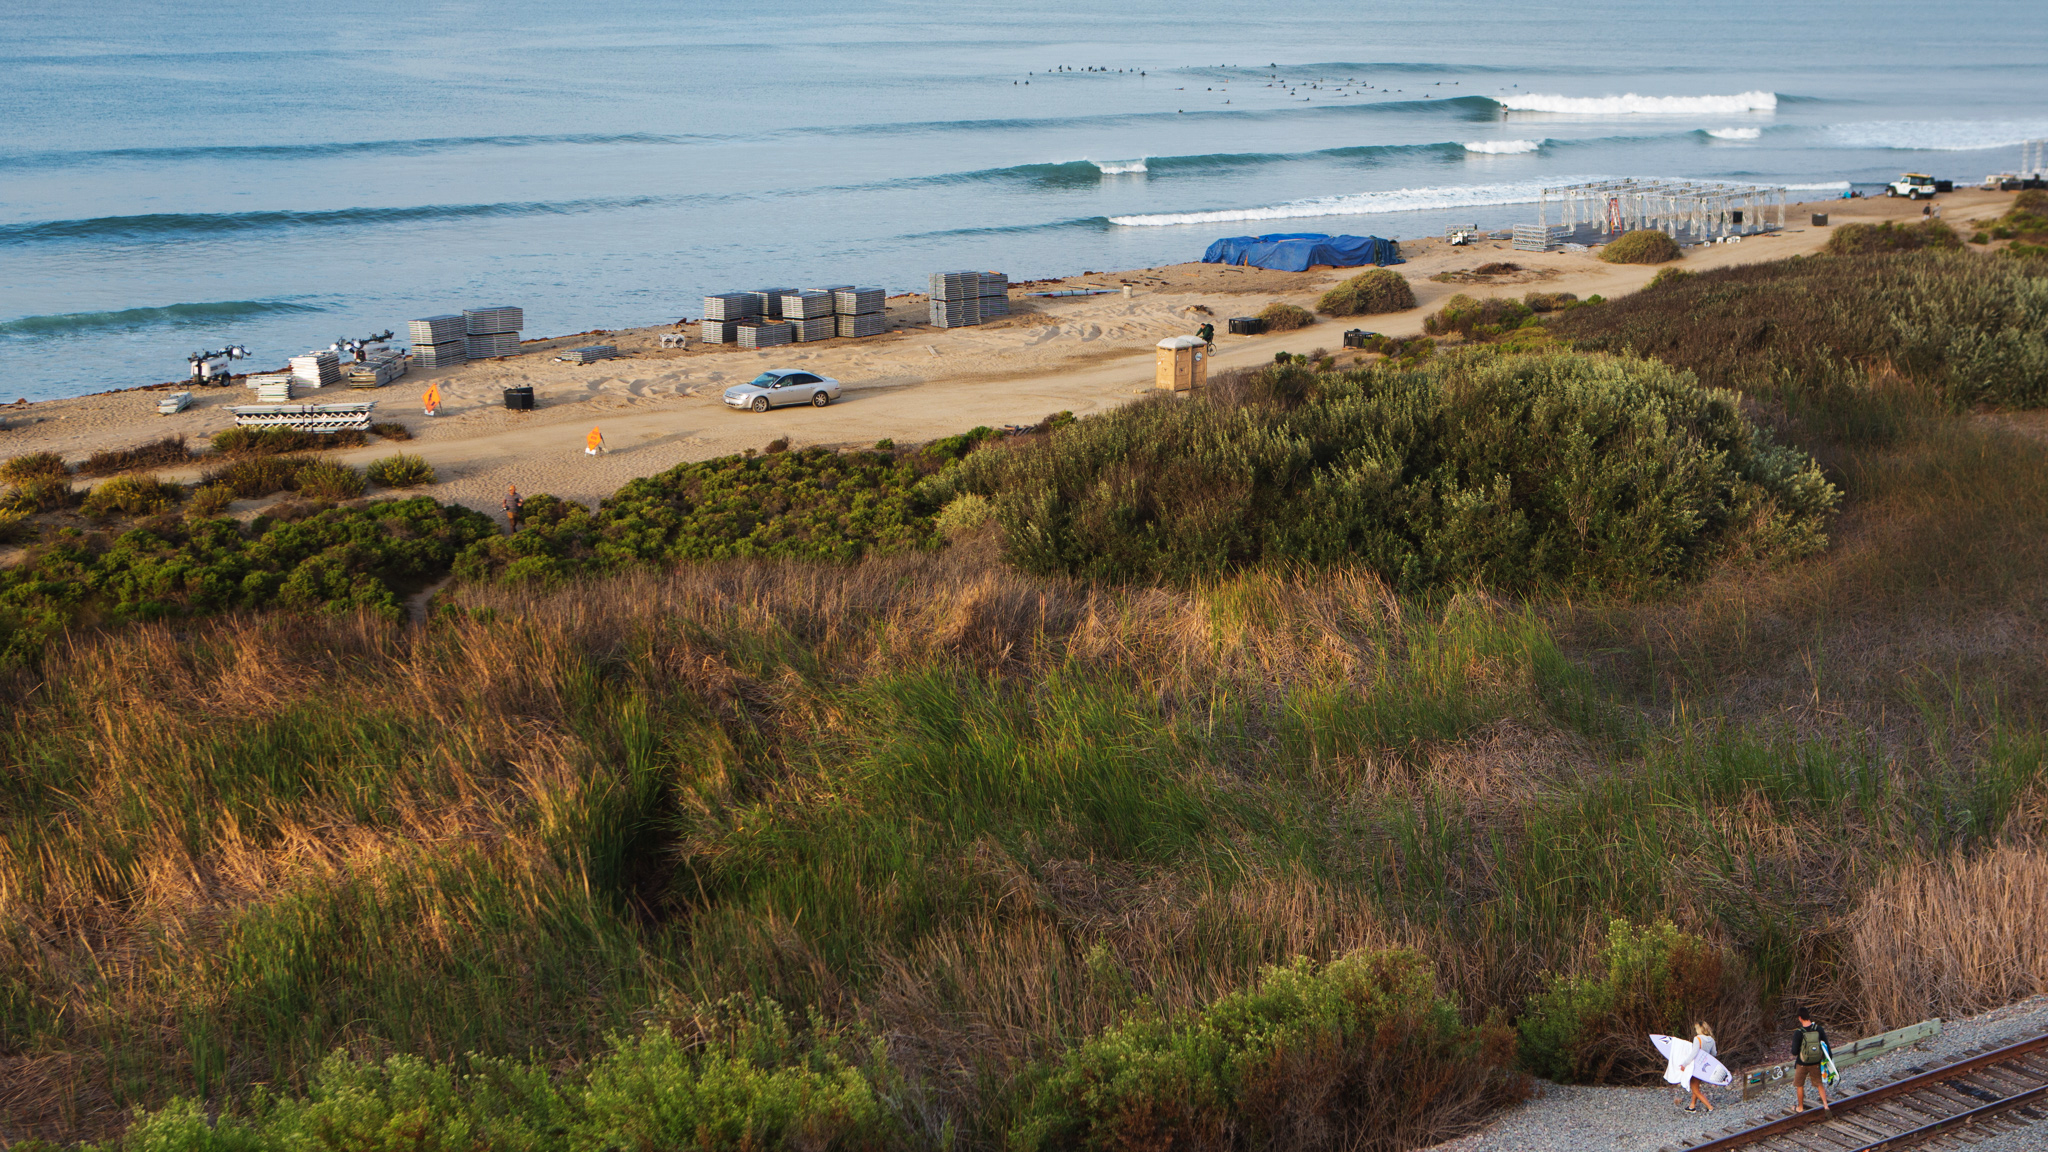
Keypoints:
(1801, 1073)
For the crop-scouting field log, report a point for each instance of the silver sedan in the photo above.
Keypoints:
(778, 387)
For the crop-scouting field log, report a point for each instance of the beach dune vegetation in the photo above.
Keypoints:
(1281, 316)
(1642, 246)
(1369, 293)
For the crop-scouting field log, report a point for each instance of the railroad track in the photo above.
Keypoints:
(1952, 1106)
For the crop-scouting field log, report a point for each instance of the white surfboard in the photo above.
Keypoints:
(1686, 1062)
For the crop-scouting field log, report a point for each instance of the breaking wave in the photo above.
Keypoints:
(1735, 133)
(170, 315)
(1502, 147)
(1936, 135)
(1360, 204)
(1119, 167)
(1632, 104)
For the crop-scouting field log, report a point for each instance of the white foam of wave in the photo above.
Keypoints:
(1632, 104)
(1735, 133)
(1502, 147)
(1827, 186)
(1361, 204)
(1119, 167)
(1936, 135)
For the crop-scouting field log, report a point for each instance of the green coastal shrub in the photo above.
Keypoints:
(168, 452)
(1642, 246)
(14, 526)
(1963, 328)
(34, 466)
(39, 494)
(209, 500)
(1552, 301)
(1863, 239)
(1554, 470)
(1283, 317)
(1591, 1028)
(963, 514)
(754, 1084)
(1360, 1053)
(256, 476)
(401, 471)
(1369, 293)
(132, 496)
(326, 480)
(275, 441)
(336, 560)
(391, 430)
(1464, 316)
(811, 503)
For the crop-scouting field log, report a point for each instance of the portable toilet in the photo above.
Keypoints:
(1182, 364)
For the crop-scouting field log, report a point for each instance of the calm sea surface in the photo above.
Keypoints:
(175, 177)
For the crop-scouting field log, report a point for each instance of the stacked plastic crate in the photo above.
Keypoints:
(439, 341)
(764, 333)
(995, 295)
(377, 369)
(860, 311)
(271, 387)
(955, 299)
(492, 331)
(771, 302)
(723, 314)
(809, 314)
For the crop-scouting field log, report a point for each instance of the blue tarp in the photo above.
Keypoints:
(1299, 251)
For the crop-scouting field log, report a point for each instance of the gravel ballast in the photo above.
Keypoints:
(1574, 1118)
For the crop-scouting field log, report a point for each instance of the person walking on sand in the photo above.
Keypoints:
(512, 503)
(593, 443)
(1809, 1042)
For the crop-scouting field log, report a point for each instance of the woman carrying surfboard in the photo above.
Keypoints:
(1692, 1061)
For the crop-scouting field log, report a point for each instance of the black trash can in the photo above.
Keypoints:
(519, 399)
(1246, 326)
(1944, 186)
(1358, 338)
(1820, 219)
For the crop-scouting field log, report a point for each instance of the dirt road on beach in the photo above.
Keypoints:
(660, 407)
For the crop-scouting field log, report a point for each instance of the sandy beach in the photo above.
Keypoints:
(659, 407)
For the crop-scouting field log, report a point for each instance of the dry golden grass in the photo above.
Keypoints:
(1952, 937)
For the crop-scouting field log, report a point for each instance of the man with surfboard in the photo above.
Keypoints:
(1811, 1060)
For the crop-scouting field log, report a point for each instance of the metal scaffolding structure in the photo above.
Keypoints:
(2034, 159)
(1689, 211)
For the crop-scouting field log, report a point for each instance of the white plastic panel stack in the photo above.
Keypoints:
(317, 369)
(719, 331)
(732, 306)
(860, 311)
(955, 299)
(764, 334)
(439, 341)
(806, 305)
(590, 355)
(995, 295)
(259, 379)
(771, 301)
(814, 328)
(279, 392)
(492, 330)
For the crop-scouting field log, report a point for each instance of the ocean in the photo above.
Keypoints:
(178, 177)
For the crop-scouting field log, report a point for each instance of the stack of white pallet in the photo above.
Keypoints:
(259, 379)
(278, 393)
(860, 311)
(310, 417)
(590, 355)
(492, 331)
(955, 299)
(809, 314)
(172, 403)
(995, 295)
(376, 370)
(726, 310)
(770, 300)
(317, 369)
(440, 341)
(765, 334)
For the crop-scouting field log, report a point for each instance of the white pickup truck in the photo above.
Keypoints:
(1913, 186)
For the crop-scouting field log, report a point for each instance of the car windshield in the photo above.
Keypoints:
(765, 380)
